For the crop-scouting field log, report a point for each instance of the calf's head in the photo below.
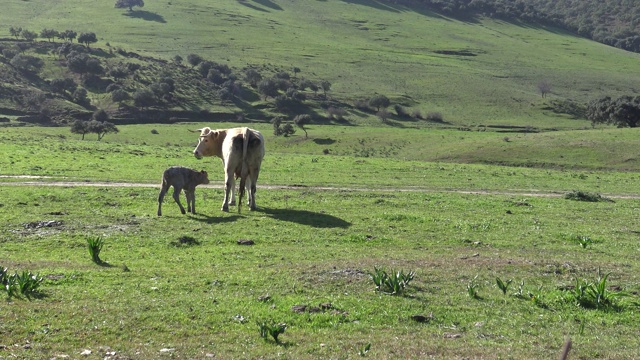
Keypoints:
(202, 177)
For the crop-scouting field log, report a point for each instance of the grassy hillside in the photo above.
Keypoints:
(482, 72)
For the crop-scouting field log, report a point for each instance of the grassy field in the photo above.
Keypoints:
(181, 286)
(462, 203)
(474, 72)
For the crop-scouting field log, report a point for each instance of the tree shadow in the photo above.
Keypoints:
(303, 217)
(269, 4)
(251, 6)
(145, 15)
(327, 141)
(374, 4)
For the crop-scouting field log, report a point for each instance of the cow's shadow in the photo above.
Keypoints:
(214, 219)
(303, 217)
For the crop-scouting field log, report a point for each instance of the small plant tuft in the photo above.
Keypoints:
(270, 328)
(585, 196)
(503, 286)
(17, 285)
(392, 284)
(95, 245)
(363, 352)
(472, 289)
(595, 295)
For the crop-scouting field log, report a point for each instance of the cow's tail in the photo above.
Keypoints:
(244, 172)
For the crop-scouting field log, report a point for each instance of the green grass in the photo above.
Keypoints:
(313, 247)
(359, 157)
(364, 49)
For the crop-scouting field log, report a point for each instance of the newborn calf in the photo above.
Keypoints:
(182, 178)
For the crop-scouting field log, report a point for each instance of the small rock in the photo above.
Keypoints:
(245, 242)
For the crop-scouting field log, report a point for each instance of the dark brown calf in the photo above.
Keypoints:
(182, 178)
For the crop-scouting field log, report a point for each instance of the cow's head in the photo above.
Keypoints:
(208, 143)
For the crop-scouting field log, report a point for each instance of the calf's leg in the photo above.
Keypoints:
(176, 197)
(163, 191)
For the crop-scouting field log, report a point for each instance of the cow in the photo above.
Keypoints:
(241, 150)
(182, 178)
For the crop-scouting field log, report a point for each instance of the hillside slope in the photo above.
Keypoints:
(480, 72)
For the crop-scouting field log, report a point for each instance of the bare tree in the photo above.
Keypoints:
(544, 87)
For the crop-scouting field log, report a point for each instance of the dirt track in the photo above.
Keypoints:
(44, 181)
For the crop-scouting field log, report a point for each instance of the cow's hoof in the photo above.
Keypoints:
(232, 203)
(225, 209)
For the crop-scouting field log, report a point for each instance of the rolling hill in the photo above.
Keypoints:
(473, 72)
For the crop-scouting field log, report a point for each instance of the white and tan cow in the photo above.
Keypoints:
(241, 151)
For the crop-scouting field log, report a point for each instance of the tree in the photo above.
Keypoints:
(80, 97)
(121, 4)
(101, 127)
(544, 87)
(77, 63)
(27, 63)
(301, 121)
(80, 127)
(68, 35)
(100, 115)
(107, 127)
(144, 98)
(379, 101)
(621, 112)
(49, 34)
(15, 31)
(253, 77)
(93, 66)
(29, 35)
(87, 38)
(194, 60)
(268, 88)
(281, 130)
(61, 86)
(120, 96)
(326, 86)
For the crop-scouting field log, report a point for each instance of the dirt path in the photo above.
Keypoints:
(47, 181)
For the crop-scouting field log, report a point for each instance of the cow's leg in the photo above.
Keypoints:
(163, 191)
(176, 197)
(229, 184)
(252, 192)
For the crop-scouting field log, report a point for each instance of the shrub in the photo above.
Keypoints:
(383, 114)
(435, 116)
(401, 111)
(416, 114)
(336, 113)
